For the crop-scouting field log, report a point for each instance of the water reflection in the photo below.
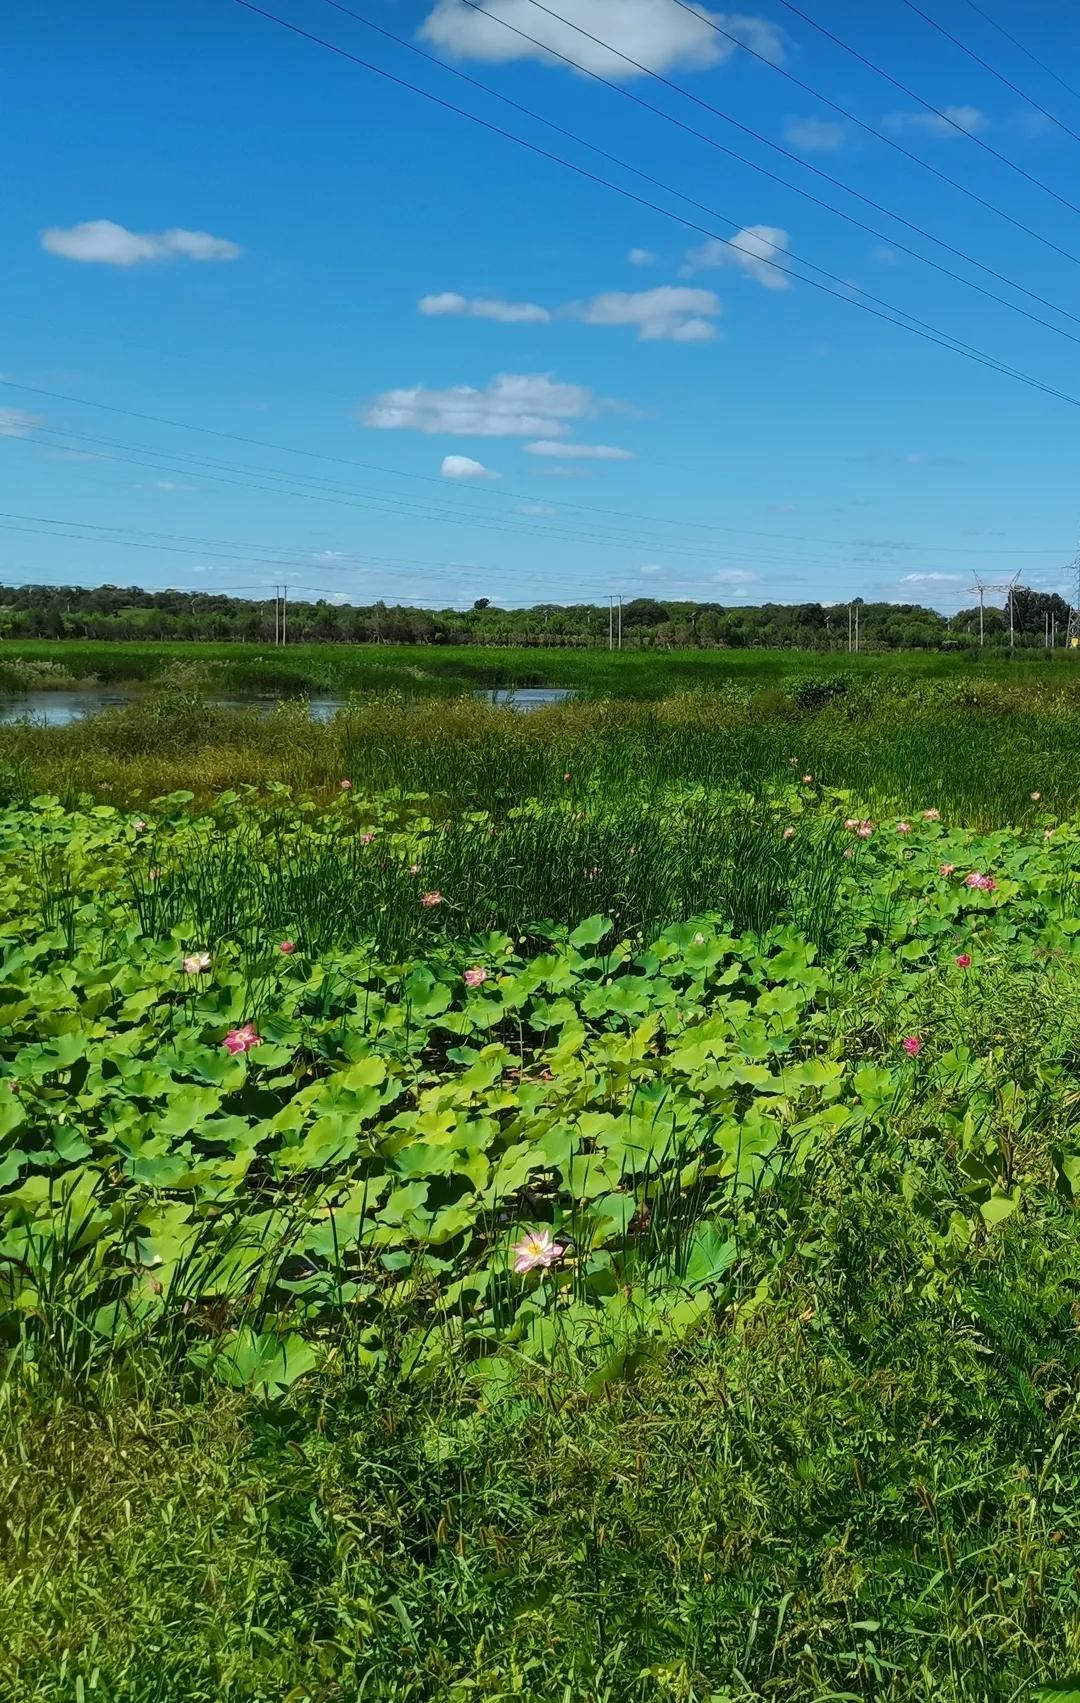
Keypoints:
(61, 708)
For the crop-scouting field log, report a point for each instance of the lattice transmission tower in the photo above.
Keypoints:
(1073, 637)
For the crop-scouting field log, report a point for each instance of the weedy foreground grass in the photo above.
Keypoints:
(792, 1415)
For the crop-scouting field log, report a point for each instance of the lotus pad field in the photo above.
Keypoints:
(598, 1249)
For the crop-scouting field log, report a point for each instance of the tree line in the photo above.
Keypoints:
(126, 612)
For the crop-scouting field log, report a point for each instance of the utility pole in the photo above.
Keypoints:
(849, 628)
(284, 609)
(620, 620)
(277, 616)
(610, 622)
(856, 604)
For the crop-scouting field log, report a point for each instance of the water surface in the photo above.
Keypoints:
(61, 708)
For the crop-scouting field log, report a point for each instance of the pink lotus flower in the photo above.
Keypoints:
(287, 947)
(414, 869)
(946, 869)
(537, 1248)
(963, 960)
(1035, 797)
(864, 830)
(983, 883)
(196, 962)
(789, 833)
(903, 827)
(430, 900)
(366, 839)
(154, 874)
(931, 815)
(1048, 833)
(851, 824)
(566, 776)
(242, 1040)
(346, 786)
(139, 825)
(476, 977)
(912, 1045)
(808, 780)
(849, 851)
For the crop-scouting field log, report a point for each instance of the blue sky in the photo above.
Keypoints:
(506, 380)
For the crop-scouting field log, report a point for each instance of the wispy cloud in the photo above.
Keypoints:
(815, 135)
(511, 405)
(669, 314)
(580, 451)
(755, 250)
(950, 122)
(101, 242)
(17, 423)
(485, 307)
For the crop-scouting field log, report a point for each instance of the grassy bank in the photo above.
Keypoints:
(444, 670)
(977, 747)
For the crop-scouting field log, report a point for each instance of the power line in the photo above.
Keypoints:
(1069, 90)
(774, 177)
(937, 111)
(1016, 90)
(872, 130)
(933, 335)
(486, 491)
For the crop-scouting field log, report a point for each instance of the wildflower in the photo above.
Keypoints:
(346, 786)
(430, 900)
(154, 874)
(537, 1248)
(931, 815)
(946, 869)
(287, 947)
(566, 776)
(139, 825)
(851, 824)
(912, 1045)
(476, 977)
(903, 827)
(808, 780)
(196, 962)
(1035, 797)
(789, 833)
(983, 883)
(865, 829)
(414, 869)
(242, 1040)
(366, 839)
(1048, 833)
(963, 960)
(849, 851)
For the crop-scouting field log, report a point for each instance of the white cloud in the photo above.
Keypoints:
(17, 423)
(755, 247)
(669, 314)
(967, 118)
(734, 576)
(641, 257)
(483, 307)
(101, 242)
(659, 35)
(651, 568)
(930, 579)
(171, 485)
(580, 451)
(815, 135)
(534, 508)
(464, 467)
(511, 405)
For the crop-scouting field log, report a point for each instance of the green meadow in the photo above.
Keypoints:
(574, 1206)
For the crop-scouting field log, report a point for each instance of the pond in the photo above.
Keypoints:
(60, 708)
